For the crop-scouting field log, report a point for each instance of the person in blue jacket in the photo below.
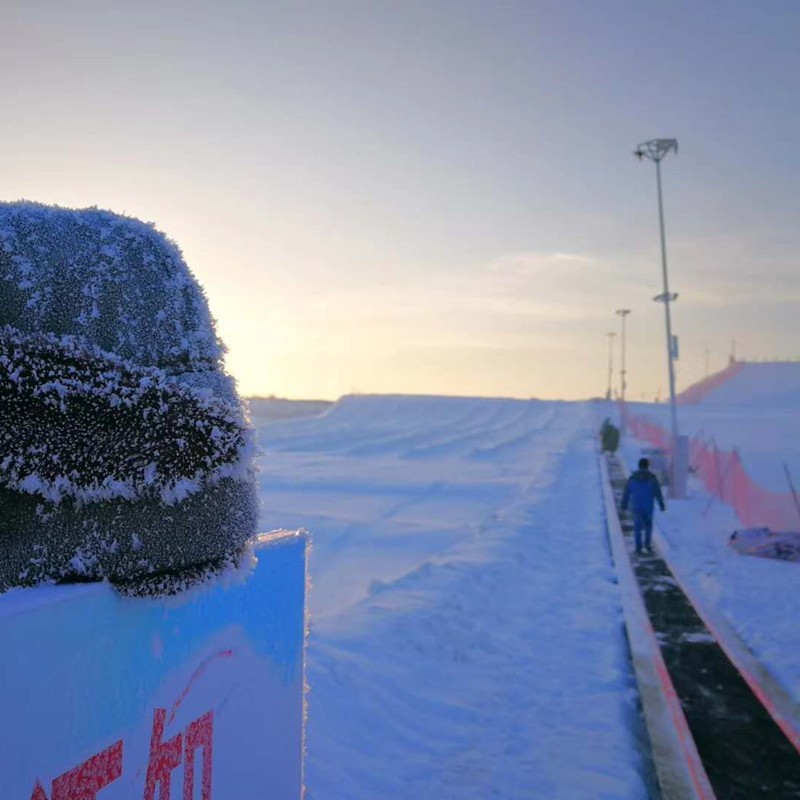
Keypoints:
(642, 491)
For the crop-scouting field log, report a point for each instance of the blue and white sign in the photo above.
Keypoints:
(192, 697)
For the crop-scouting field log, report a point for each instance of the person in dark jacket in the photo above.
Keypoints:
(642, 491)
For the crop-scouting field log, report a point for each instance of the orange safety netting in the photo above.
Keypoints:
(724, 476)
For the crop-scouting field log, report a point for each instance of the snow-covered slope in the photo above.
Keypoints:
(774, 384)
(756, 411)
(466, 628)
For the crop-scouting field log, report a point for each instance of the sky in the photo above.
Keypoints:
(433, 196)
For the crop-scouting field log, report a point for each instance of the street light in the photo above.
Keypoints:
(622, 312)
(611, 336)
(655, 150)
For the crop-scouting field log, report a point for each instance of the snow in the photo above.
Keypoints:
(466, 632)
(466, 628)
(466, 637)
(757, 411)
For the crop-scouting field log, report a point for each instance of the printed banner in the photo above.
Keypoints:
(192, 697)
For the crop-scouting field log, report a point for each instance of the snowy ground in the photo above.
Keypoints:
(467, 636)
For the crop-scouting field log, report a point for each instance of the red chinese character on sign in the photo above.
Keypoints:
(38, 792)
(199, 734)
(86, 780)
(165, 756)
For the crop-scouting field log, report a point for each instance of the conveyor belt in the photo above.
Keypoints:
(745, 754)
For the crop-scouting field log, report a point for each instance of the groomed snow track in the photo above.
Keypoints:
(719, 725)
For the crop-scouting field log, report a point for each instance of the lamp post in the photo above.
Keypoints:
(611, 336)
(622, 312)
(655, 150)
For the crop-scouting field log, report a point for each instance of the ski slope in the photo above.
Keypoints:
(466, 635)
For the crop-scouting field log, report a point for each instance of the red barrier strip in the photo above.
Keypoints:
(725, 477)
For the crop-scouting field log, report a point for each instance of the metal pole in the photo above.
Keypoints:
(655, 150)
(622, 370)
(610, 362)
(668, 320)
(622, 312)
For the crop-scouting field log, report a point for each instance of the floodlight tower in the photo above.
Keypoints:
(611, 336)
(622, 312)
(655, 150)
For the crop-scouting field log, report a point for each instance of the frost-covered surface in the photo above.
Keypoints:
(116, 281)
(124, 449)
(81, 423)
(467, 636)
(758, 411)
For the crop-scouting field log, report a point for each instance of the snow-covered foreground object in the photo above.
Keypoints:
(124, 451)
(198, 696)
(467, 635)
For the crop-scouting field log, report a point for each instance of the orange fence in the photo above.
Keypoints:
(725, 477)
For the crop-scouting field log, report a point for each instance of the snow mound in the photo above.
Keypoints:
(774, 384)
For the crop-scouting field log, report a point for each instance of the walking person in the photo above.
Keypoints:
(642, 491)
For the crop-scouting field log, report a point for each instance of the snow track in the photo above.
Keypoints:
(467, 634)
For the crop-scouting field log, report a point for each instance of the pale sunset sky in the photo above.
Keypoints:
(433, 196)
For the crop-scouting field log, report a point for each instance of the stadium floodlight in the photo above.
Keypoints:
(622, 312)
(611, 336)
(655, 150)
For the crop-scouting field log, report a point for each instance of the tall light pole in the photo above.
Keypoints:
(622, 312)
(611, 336)
(656, 150)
